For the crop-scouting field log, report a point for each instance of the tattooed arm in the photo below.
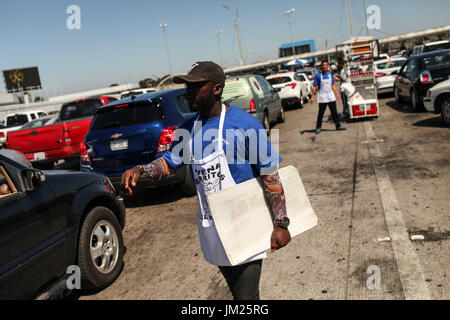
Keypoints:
(154, 171)
(273, 189)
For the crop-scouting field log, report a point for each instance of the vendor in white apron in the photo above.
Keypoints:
(324, 82)
(212, 172)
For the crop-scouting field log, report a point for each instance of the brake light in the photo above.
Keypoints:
(166, 138)
(425, 77)
(84, 155)
(121, 105)
(378, 75)
(2, 134)
(66, 134)
(252, 107)
(293, 85)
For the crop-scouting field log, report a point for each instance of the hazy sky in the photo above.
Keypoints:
(121, 41)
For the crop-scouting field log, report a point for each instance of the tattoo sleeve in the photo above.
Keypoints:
(156, 170)
(273, 189)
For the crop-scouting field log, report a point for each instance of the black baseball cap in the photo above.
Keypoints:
(202, 71)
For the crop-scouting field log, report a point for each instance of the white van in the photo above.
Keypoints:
(14, 121)
(431, 46)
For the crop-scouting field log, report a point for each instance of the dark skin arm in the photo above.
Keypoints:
(155, 171)
(273, 189)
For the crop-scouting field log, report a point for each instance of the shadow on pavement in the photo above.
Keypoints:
(402, 107)
(153, 196)
(435, 122)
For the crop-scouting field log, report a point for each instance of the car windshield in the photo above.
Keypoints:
(16, 120)
(128, 114)
(235, 88)
(440, 60)
(279, 80)
(390, 64)
(437, 46)
(79, 109)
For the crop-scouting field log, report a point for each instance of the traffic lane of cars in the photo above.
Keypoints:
(51, 220)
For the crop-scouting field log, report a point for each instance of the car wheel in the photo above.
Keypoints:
(100, 248)
(188, 186)
(415, 101)
(266, 123)
(445, 109)
(281, 118)
(398, 98)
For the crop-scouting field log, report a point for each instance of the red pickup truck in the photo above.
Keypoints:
(61, 140)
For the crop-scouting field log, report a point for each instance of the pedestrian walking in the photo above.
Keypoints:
(344, 77)
(325, 84)
(220, 169)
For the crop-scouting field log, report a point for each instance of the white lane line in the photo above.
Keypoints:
(409, 268)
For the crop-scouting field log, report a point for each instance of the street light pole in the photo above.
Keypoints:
(217, 33)
(288, 14)
(164, 26)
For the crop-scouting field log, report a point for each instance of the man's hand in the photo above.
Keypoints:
(280, 238)
(311, 100)
(130, 178)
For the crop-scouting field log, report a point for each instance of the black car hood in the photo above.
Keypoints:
(65, 181)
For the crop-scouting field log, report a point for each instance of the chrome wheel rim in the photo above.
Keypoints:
(104, 246)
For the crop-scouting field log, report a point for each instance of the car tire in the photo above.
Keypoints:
(415, 101)
(398, 98)
(282, 117)
(188, 185)
(445, 109)
(100, 234)
(266, 123)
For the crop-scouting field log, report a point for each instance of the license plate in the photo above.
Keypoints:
(39, 156)
(119, 145)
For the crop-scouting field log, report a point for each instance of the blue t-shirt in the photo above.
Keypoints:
(325, 76)
(248, 150)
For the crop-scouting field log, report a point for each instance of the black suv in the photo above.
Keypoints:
(53, 224)
(419, 73)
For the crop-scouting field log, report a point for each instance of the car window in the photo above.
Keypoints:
(439, 46)
(6, 185)
(41, 114)
(79, 109)
(279, 80)
(126, 115)
(33, 116)
(125, 95)
(16, 120)
(390, 64)
(412, 66)
(235, 88)
(111, 99)
(301, 77)
(440, 60)
(256, 86)
(183, 105)
(35, 124)
(266, 87)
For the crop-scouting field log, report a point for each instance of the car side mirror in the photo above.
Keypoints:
(34, 179)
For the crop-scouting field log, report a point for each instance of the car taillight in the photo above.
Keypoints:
(293, 85)
(425, 77)
(252, 107)
(166, 138)
(66, 134)
(380, 74)
(2, 134)
(84, 154)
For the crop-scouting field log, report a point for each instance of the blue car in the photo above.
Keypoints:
(131, 132)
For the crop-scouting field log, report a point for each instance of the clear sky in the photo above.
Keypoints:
(121, 41)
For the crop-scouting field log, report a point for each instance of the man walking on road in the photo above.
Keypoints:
(344, 77)
(325, 83)
(220, 169)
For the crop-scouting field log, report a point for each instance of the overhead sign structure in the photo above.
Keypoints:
(22, 79)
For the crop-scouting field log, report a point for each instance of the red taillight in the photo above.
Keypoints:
(380, 74)
(84, 155)
(2, 134)
(252, 106)
(66, 134)
(293, 85)
(425, 77)
(166, 138)
(121, 105)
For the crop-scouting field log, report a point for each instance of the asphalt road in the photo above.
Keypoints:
(380, 178)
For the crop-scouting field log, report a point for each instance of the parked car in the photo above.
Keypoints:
(15, 120)
(431, 46)
(60, 140)
(293, 90)
(437, 100)
(135, 92)
(309, 84)
(255, 95)
(130, 132)
(50, 220)
(310, 73)
(383, 73)
(420, 73)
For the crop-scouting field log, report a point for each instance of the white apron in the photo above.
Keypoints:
(212, 174)
(326, 93)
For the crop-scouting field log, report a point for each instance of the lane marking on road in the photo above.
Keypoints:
(408, 264)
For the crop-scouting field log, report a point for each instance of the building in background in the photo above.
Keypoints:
(300, 47)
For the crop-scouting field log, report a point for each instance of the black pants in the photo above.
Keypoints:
(322, 108)
(243, 280)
